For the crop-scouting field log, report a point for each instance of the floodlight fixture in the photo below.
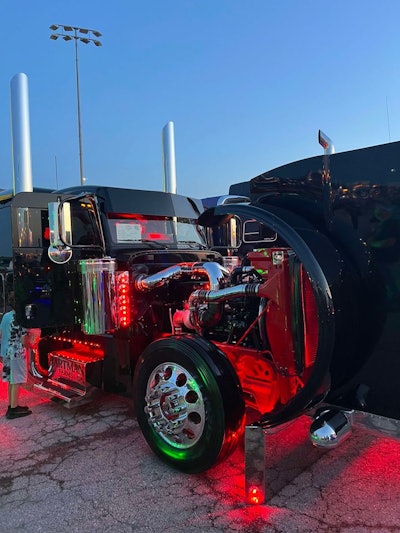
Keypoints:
(75, 35)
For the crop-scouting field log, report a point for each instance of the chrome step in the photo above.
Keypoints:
(67, 397)
(67, 377)
(56, 389)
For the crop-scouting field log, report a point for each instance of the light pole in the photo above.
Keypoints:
(86, 36)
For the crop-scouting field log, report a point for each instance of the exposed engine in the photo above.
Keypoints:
(251, 311)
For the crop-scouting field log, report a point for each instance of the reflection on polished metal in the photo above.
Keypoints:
(145, 283)
(214, 271)
(382, 425)
(99, 295)
(175, 405)
(330, 428)
(21, 140)
(76, 34)
(59, 254)
(333, 424)
(232, 199)
(231, 262)
(169, 165)
(326, 143)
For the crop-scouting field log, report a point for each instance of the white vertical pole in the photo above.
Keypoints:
(169, 164)
(21, 137)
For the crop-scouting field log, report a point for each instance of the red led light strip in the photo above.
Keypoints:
(123, 295)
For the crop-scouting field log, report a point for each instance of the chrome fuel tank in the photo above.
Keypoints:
(98, 281)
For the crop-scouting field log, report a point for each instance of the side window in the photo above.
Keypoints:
(255, 232)
(85, 230)
(31, 224)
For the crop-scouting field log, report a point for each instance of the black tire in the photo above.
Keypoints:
(188, 402)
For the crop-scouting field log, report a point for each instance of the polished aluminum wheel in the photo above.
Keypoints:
(175, 405)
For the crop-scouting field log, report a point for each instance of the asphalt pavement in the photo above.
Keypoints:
(89, 469)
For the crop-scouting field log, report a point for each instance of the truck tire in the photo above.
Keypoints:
(188, 402)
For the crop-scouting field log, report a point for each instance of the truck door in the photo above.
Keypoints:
(43, 290)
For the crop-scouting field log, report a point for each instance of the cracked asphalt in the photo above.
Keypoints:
(89, 470)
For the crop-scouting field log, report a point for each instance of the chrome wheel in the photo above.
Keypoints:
(175, 405)
(188, 402)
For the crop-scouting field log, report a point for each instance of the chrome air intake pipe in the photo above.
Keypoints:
(216, 275)
(145, 283)
(246, 289)
(214, 271)
(210, 315)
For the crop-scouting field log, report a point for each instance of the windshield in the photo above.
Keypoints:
(136, 229)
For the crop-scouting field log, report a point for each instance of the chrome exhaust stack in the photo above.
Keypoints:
(326, 143)
(169, 164)
(21, 140)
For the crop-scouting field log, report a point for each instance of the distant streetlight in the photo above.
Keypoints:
(86, 36)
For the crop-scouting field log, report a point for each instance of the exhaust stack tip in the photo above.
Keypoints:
(326, 143)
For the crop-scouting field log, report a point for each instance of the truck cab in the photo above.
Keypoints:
(104, 228)
(275, 313)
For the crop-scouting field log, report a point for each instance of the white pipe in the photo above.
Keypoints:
(169, 164)
(21, 138)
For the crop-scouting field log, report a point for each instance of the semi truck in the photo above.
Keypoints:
(268, 303)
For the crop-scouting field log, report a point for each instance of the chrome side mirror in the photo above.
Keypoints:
(60, 232)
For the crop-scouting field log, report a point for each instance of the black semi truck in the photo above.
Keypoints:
(272, 300)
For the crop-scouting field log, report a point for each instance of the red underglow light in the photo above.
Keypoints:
(255, 495)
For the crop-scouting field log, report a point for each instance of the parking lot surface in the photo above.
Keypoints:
(89, 469)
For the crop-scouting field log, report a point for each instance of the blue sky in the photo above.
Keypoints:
(247, 83)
